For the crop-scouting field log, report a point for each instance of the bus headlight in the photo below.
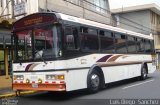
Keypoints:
(18, 77)
(54, 77)
(50, 77)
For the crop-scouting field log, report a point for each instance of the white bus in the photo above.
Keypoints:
(58, 52)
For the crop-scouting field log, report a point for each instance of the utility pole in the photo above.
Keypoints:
(12, 3)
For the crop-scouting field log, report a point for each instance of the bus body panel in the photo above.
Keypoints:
(76, 79)
(53, 36)
(76, 70)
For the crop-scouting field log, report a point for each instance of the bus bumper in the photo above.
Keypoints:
(39, 87)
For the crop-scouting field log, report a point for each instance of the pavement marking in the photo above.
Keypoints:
(138, 84)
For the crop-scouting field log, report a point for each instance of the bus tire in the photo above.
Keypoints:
(93, 81)
(143, 73)
(18, 93)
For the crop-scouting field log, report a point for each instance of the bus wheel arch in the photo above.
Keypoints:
(93, 72)
(144, 71)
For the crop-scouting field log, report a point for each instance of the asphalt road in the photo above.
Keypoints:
(127, 89)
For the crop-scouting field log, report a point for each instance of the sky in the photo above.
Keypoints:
(124, 3)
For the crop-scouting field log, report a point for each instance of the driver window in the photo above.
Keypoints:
(71, 37)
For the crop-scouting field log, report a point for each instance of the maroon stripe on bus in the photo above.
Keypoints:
(104, 59)
(28, 66)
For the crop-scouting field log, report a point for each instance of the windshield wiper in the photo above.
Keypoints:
(40, 53)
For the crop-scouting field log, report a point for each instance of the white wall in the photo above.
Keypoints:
(32, 6)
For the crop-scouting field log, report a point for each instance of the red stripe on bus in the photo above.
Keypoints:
(54, 82)
(62, 82)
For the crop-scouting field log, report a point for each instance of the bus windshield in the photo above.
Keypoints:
(37, 44)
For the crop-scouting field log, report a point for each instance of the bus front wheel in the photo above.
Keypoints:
(18, 93)
(93, 81)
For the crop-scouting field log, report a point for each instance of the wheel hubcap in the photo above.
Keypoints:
(144, 73)
(95, 80)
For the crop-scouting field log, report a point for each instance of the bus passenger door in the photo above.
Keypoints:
(71, 45)
(71, 38)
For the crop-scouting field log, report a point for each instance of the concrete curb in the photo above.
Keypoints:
(13, 94)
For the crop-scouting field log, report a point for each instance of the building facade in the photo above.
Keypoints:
(96, 10)
(144, 19)
(5, 42)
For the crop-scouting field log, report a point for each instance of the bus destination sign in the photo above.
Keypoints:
(35, 19)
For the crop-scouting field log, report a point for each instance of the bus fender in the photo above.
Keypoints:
(99, 70)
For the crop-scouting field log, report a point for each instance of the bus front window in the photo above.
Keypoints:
(37, 44)
(45, 40)
(24, 45)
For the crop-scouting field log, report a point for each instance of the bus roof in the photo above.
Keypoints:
(20, 23)
(104, 26)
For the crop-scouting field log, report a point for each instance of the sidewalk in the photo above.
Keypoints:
(8, 92)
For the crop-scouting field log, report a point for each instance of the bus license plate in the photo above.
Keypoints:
(35, 85)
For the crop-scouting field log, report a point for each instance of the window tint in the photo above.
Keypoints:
(140, 45)
(71, 37)
(89, 39)
(148, 46)
(107, 41)
(84, 29)
(92, 31)
(120, 43)
(44, 43)
(131, 44)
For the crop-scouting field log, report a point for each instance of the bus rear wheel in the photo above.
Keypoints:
(143, 73)
(94, 82)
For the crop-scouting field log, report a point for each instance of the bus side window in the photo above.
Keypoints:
(71, 38)
(89, 39)
(107, 41)
(131, 44)
(148, 46)
(140, 45)
(120, 43)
